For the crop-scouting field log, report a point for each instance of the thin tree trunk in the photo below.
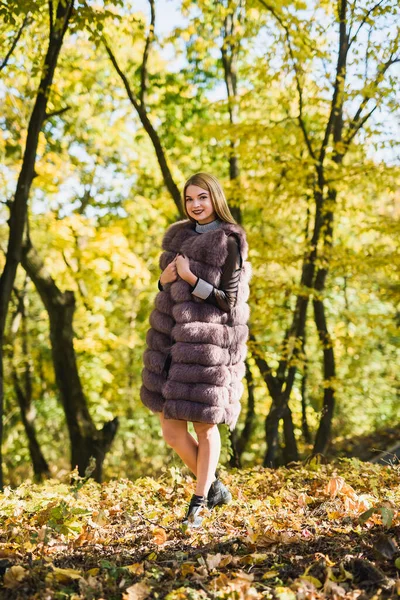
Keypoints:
(86, 440)
(229, 55)
(325, 424)
(39, 463)
(58, 27)
(239, 442)
(24, 393)
(304, 423)
(139, 104)
(275, 414)
(290, 452)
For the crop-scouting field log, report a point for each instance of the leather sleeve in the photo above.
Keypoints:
(224, 297)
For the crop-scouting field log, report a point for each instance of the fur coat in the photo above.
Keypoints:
(205, 346)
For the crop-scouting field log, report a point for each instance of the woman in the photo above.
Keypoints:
(194, 363)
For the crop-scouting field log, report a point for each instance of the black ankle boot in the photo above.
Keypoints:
(195, 512)
(218, 494)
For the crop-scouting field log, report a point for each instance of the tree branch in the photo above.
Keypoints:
(15, 42)
(358, 121)
(297, 77)
(56, 113)
(366, 16)
(337, 98)
(51, 19)
(149, 40)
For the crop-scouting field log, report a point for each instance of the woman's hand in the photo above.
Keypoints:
(170, 273)
(183, 268)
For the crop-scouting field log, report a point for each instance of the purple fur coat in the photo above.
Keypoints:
(207, 345)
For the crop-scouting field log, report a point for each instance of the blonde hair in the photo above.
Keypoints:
(212, 185)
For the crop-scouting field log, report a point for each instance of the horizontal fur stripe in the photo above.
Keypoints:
(180, 291)
(237, 371)
(154, 401)
(203, 333)
(161, 322)
(209, 248)
(218, 375)
(194, 412)
(154, 360)
(240, 313)
(207, 272)
(164, 304)
(239, 335)
(152, 381)
(165, 259)
(236, 392)
(212, 395)
(187, 312)
(202, 354)
(158, 341)
(173, 230)
(239, 354)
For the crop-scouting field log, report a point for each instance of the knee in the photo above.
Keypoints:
(171, 435)
(206, 430)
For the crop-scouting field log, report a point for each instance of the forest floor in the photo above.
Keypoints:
(291, 533)
(367, 446)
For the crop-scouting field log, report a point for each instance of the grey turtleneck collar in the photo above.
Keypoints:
(208, 226)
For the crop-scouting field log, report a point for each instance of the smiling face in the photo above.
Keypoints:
(199, 204)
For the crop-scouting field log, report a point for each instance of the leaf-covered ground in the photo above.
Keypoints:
(367, 446)
(288, 534)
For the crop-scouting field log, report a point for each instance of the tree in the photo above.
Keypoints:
(58, 24)
(327, 162)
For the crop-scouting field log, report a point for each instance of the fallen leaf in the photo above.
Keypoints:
(13, 576)
(316, 582)
(159, 536)
(270, 574)
(284, 593)
(135, 568)
(213, 560)
(65, 575)
(187, 568)
(138, 591)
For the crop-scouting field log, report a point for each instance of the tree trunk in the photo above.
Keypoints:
(239, 443)
(304, 423)
(148, 127)
(86, 440)
(325, 424)
(24, 396)
(229, 55)
(39, 463)
(272, 431)
(290, 452)
(19, 205)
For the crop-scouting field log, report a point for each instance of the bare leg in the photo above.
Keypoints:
(208, 453)
(176, 435)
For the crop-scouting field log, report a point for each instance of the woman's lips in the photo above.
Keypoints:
(197, 212)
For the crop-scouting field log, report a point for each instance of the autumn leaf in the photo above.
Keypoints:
(138, 591)
(65, 575)
(135, 568)
(14, 576)
(159, 536)
(187, 568)
(213, 561)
